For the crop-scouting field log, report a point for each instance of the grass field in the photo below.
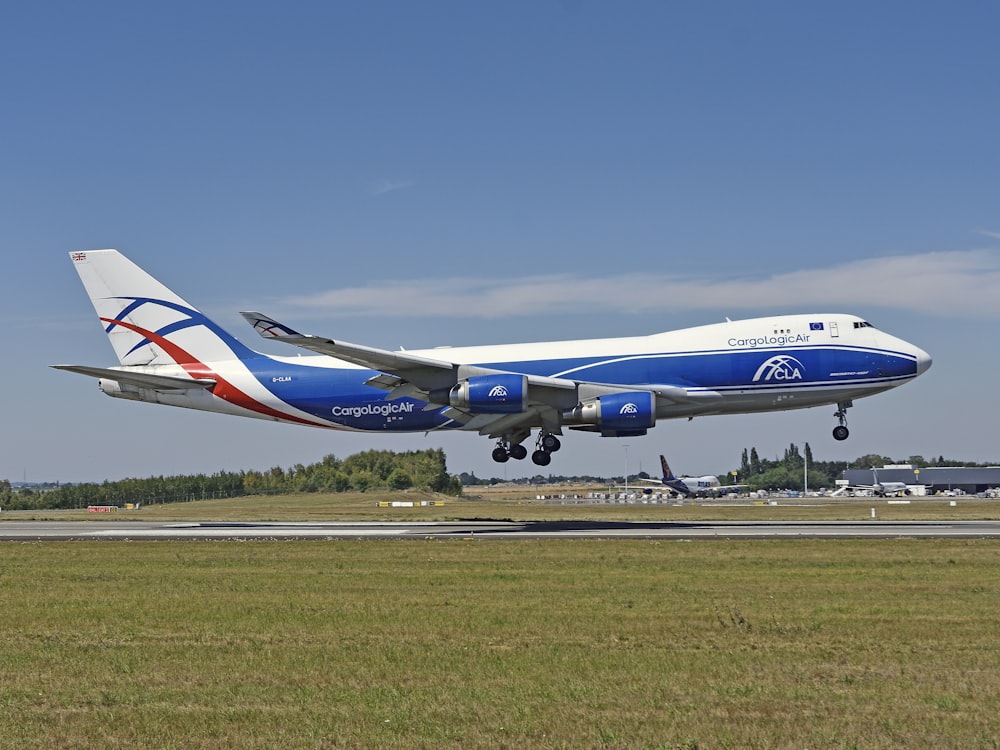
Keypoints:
(520, 644)
(519, 504)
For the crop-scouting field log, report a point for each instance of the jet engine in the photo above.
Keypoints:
(624, 414)
(501, 393)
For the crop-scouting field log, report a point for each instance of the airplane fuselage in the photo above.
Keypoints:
(756, 365)
(704, 485)
(170, 353)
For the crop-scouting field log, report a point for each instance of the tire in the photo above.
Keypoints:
(541, 458)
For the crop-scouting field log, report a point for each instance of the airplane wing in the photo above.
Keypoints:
(365, 356)
(405, 374)
(139, 379)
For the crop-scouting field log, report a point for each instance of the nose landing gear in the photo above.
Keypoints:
(840, 432)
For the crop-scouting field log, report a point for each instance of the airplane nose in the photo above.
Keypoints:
(923, 361)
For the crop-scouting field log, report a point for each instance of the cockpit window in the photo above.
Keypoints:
(863, 324)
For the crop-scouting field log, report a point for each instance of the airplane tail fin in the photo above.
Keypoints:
(668, 475)
(147, 323)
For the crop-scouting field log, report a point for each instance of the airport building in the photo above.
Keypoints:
(967, 481)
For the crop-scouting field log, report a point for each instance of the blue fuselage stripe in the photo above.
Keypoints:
(338, 395)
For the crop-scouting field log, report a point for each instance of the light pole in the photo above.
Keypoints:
(805, 470)
(626, 471)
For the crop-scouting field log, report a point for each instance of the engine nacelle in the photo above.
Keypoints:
(617, 414)
(491, 394)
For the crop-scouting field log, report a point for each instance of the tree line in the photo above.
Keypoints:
(362, 472)
(789, 471)
(786, 472)
(387, 470)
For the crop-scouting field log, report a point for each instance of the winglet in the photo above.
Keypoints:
(269, 328)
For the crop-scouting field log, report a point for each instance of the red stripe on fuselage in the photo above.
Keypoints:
(223, 388)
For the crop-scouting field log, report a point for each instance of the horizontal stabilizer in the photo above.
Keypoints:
(139, 379)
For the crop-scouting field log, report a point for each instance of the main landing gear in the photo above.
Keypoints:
(545, 446)
(506, 451)
(840, 432)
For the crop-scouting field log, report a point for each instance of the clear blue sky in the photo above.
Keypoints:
(499, 172)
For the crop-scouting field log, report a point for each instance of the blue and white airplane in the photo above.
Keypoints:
(691, 486)
(170, 353)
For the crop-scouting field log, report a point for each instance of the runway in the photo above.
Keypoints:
(484, 530)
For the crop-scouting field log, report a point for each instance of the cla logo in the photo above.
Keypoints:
(781, 367)
(629, 408)
(498, 391)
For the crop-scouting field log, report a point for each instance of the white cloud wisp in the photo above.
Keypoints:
(950, 284)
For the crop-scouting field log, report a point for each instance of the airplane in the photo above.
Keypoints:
(170, 353)
(688, 486)
(879, 489)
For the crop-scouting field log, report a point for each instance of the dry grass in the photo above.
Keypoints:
(520, 504)
(548, 644)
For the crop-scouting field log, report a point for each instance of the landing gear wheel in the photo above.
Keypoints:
(549, 443)
(840, 432)
(518, 452)
(542, 458)
(500, 454)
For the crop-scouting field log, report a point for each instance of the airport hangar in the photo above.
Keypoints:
(968, 480)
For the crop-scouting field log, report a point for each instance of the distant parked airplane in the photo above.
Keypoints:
(170, 353)
(688, 486)
(880, 489)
